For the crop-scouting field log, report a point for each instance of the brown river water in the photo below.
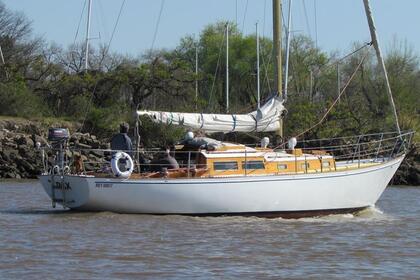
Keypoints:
(38, 242)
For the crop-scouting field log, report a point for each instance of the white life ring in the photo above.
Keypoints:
(128, 163)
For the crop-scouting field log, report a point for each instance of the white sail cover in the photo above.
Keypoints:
(267, 118)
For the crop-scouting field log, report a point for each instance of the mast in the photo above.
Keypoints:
(286, 71)
(4, 63)
(381, 61)
(88, 36)
(227, 67)
(196, 75)
(258, 66)
(277, 55)
(1, 56)
(338, 81)
(236, 13)
(277, 26)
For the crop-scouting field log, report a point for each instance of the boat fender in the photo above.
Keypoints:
(55, 170)
(128, 163)
(66, 169)
(292, 143)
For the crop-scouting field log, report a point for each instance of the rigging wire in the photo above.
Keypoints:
(76, 35)
(102, 20)
(320, 70)
(339, 60)
(265, 11)
(80, 21)
(236, 13)
(217, 67)
(162, 4)
(245, 13)
(115, 27)
(265, 65)
(316, 24)
(333, 104)
(338, 97)
(306, 18)
(89, 104)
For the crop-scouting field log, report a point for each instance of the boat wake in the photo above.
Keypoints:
(370, 214)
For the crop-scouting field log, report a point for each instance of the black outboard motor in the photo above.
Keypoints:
(58, 134)
(58, 138)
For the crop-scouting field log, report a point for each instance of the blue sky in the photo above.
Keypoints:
(338, 22)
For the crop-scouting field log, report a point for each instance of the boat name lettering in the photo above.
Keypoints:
(62, 186)
(103, 185)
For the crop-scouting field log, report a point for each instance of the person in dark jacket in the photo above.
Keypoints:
(121, 141)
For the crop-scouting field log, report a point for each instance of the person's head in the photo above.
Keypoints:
(124, 127)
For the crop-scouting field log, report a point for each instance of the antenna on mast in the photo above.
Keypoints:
(227, 67)
(258, 65)
(277, 26)
(286, 71)
(196, 73)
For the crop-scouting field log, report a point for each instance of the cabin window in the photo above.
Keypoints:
(253, 164)
(281, 166)
(226, 165)
(326, 164)
(304, 165)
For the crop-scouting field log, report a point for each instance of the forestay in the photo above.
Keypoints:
(267, 118)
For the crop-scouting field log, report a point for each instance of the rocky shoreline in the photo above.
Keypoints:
(19, 158)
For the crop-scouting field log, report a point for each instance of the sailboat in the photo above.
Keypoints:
(219, 178)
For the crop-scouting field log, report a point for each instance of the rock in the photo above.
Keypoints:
(16, 158)
(11, 145)
(21, 140)
(9, 155)
(76, 153)
(69, 154)
(23, 151)
(5, 156)
(83, 146)
(40, 139)
(74, 137)
(9, 175)
(27, 166)
(105, 146)
(97, 153)
(96, 144)
(34, 130)
(87, 141)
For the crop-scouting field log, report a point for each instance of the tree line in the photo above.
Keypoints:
(39, 80)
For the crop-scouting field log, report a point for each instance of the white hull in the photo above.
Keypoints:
(353, 189)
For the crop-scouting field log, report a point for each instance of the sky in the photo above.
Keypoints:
(334, 24)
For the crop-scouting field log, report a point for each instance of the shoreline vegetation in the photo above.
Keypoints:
(19, 159)
(43, 85)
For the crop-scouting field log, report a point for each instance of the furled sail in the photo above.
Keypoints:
(267, 118)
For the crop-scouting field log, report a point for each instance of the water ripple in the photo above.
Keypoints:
(40, 242)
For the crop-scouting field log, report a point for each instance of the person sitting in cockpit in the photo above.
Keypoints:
(121, 141)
